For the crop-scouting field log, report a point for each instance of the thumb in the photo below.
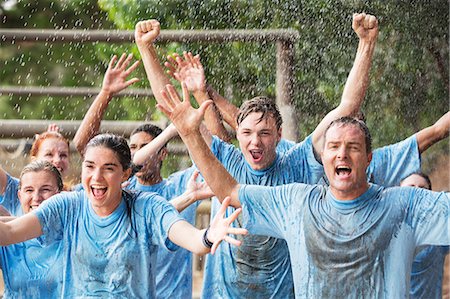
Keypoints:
(204, 106)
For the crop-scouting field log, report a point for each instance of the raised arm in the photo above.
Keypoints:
(433, 134)
(145, 34)
(187, 120)
(366, 27)
(20, 229)
(152, 148)
(203, 241)
(195, 191)
(115, 81)
(190, 71)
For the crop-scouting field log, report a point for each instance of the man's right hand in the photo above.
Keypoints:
(365, 26)
(146, 32)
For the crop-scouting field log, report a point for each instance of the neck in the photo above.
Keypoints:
(349, 194)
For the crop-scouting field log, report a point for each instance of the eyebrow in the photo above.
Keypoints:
(106, 164)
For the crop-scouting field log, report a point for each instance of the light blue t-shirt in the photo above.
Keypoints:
(427, 272)
(108, 256)
(174, 269)
(260, 267)
(30, 270)
(361, 248)
(10, 199)
(392, 163)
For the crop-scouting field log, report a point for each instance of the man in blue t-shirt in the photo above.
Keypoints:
(351, 239)
(261, 268)
(174, 269)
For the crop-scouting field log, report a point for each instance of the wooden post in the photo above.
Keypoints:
(284, 88)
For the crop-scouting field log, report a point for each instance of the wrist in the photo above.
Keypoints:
(201, 95)
(206, 242)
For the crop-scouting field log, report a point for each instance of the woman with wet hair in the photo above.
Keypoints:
(110, 236)
(31, 270)
(50, 146)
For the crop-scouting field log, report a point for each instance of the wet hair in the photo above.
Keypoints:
(40, 165)
(117, 144)
(263, 105)
(350, 121)
(422, 175)
(360, 116)
(40, 138)
(120, 147)
(150, 129)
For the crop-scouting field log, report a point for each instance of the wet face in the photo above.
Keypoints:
(151, 169)
(258, 140)
(415, 180)
(56, 152)
(102, 176)
(35, 187)
(345, 161)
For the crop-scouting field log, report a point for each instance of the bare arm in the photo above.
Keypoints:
(190, 71)
(187, 236)
(145, 34)
(115, 80)
(20, 229)
(366, 27)
(187, 121)
(433, 134)
(227, 109)
(151, 149)
(195, 191)
(5, 219)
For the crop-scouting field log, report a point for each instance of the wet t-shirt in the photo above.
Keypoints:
(361, 248)
(260, 267)
(109, 256)
(30, 270)
(173, 269)
(10, 199)
(427, 272)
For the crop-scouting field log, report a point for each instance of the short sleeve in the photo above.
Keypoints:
(9, 199)
(302, 163)
(161, 215)
(390, 164)
(53, 213)
(429, 216)
(269, 210)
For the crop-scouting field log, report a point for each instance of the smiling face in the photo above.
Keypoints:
(102, 175)
(55, 151)
(35, 187)
(258, 140)
(345, 161)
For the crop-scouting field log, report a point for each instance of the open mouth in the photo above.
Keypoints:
(256, 155)
(98, 191)
(343, 170)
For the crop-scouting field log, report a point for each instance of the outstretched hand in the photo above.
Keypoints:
(365, 26)
(115, 79)
(199, 189)
(185, 118)
(220, 227)
(188, 70)
(146, 32)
